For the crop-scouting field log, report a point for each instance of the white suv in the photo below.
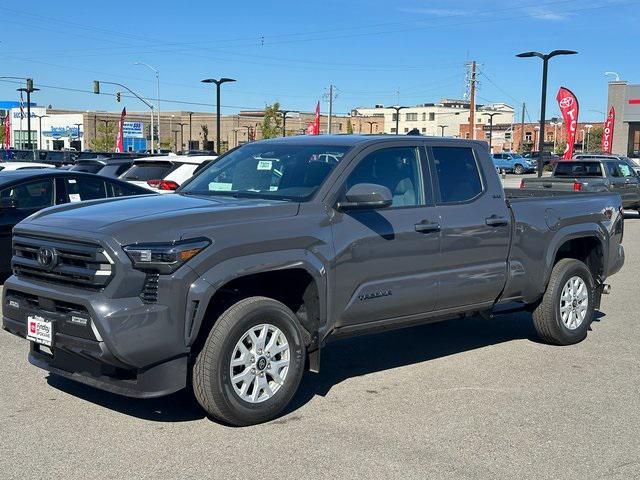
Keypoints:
(164, 174)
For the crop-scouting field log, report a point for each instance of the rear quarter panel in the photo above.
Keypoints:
(543, 224)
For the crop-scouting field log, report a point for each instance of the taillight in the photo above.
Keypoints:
(577, 186)
(163, 184)
(522, 183)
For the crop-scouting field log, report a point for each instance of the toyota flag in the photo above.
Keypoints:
(569, 108)
(607, 134)
(120, 138)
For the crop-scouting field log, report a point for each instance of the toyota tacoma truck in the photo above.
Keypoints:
(233, 285)
(593, 174)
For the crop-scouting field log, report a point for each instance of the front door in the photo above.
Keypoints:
(475, 227)
(631, 196)
(385, 258)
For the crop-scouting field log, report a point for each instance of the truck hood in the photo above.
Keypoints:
(156, 218)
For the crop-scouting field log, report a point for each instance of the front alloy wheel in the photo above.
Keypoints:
(259, 363)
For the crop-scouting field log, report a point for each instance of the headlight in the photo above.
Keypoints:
(165, 258)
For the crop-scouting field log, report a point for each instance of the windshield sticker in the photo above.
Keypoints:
(72, 180)
(74, 197)
(265, 165)
(221, 187)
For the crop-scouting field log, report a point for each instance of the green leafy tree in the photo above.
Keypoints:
(349, 127)
(560, 146)
(1, 134)
(595, 139)
(105, 140)
(272, 121)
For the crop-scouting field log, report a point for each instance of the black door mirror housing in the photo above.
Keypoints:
(366, 196)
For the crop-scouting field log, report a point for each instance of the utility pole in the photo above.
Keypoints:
(472, 101)
(182, 125)
(79, 125)
(524, 109)
(190, 130)
(29, 90)
(330, 109)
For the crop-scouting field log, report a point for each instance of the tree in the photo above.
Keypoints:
(560, 146)
(349, 127)
(595, 139)
(204, 133)
(105, 140)
(2, 134)
(272, 121)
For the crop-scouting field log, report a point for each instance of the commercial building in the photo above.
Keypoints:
(439, 119)
(625, 99)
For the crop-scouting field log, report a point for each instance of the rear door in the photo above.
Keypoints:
(475, 224)
(80, 188)
(385, 264)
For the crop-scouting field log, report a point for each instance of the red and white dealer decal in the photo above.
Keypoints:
(569, 108)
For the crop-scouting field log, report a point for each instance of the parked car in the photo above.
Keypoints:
(13, 166)
(514, 163)
(594, 175)
(107, 167)
(634, 162)
(549, 158)
(236, 282)
(24, 192)
(164, 174)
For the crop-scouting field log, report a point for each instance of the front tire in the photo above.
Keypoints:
(566, 310)
(518, 169)
(251, 363)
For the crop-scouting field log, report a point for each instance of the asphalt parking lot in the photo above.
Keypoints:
(468, 398)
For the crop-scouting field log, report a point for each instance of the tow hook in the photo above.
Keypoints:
(606, 289)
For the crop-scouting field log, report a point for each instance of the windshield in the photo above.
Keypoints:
(577, 169)
(269, 170)
(144, 171)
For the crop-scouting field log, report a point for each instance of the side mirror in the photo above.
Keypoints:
(364, 196)
(7, 203)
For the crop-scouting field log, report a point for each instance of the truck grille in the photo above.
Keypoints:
(61, 261)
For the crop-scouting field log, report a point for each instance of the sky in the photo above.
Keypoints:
(403, 52)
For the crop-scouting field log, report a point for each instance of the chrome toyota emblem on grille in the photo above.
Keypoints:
(47, 257)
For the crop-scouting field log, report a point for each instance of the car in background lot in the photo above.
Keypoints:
(549, 158)
(164, 174)
(513, 163)
(13, 166)
(633, 162)
(592, 175)
(106, 167)
(24, 192)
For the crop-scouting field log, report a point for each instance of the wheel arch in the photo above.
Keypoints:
(295, 278)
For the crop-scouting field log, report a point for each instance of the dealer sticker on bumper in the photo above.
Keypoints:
(39, 330)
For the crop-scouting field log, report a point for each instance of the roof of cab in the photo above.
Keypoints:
(352, 140)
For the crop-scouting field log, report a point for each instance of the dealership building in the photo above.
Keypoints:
(625, 98)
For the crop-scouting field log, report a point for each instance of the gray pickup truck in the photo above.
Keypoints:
(605, 174)
(234, 284)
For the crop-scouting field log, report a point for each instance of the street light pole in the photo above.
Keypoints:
(28, 90)
(182, 125)
(491, 115)
(190, 130)
(218, 84)
(284, 121)
(157, 74)
(397, 109)
(543, 102)
(40, 117)
(442, 127)
(588, 127)
(370, 126)
(79, 125)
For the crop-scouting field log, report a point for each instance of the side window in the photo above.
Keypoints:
(84, 188)
(119, 190)
(612, 168)
(458, 174)
(625, 170)
(29, 196)
(398, 169)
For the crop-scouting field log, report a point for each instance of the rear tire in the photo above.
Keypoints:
(518, 169)
(239, 347)
(566, 310)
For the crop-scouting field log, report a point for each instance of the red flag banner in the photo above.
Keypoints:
(607, 134)
(7, 132)
(569, 108)
(316, 121)
(311, 128)
(120, 138)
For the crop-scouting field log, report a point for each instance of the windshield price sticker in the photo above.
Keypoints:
(265, 165)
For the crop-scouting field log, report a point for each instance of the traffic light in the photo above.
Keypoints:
(118, 97)
(96, 87)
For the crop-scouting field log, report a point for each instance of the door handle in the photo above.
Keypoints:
(427, 227)
(496, 221)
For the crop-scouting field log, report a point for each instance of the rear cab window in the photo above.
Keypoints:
(575, 168)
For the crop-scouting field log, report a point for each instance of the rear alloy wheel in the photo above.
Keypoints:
(251, 363)
(566, 310)
(519, 169)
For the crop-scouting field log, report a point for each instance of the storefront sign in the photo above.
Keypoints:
(133, 130)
